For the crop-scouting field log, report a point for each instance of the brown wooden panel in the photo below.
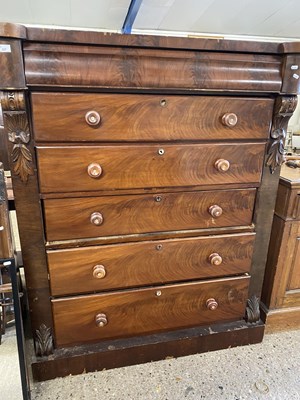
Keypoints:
(60, 117)
(131, 351)
(290, 74)
(71, 218)
(58, 65)
(294, 279)
(28, 206)
(69, 35)
(282, 272)
(137, 166)
(139, 237)
(11, 65)
(148, 310)
(146, 263)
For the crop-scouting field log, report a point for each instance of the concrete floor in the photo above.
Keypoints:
(270, 370)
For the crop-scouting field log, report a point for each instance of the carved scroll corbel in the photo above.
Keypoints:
(43, 341)
(283, 110)
(17, 128)
(252, 310)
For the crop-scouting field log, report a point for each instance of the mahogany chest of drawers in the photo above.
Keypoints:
(145, 173)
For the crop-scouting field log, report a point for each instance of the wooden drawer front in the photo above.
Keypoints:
(124, 167)
(121, 215)
(146, 263)
(116, 67)
(149, 310)
(61, 117)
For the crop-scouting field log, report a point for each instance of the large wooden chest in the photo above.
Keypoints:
(145, 171)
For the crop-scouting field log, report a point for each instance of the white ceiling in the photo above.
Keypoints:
(266, 18)
(237, 17)
(96, 14)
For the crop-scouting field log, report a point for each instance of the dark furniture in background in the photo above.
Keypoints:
(281, 291)
(145, 172)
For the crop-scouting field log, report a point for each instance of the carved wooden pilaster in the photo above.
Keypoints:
(283, 110)
(43, 341)
(17, 128)
(29, 214)
(252, 310)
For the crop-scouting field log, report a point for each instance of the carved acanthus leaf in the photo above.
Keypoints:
(22, 161)
(43, 341)
(283, 110)
(252, 310)
(17, 128)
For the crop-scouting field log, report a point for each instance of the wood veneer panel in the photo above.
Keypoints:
(116, 39)
(113, 67)
(128, 117)
(142, 166)
(11, 65)
(146, 263)
(144, 311)
(71, 218)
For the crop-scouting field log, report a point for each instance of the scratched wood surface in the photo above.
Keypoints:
(148, 310)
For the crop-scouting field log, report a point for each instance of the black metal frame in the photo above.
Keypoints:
(11, 265)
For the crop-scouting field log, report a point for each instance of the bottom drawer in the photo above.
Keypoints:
(91, 318)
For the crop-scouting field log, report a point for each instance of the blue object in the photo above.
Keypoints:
(131, 15)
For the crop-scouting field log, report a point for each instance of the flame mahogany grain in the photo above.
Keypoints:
(70, 218)
(142, 311)
(144, 263)
(142, 166)
(133, 117)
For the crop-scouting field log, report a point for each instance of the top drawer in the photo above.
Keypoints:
(67, 117)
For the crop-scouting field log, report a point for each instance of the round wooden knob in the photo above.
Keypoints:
(96, 218)
(101, 320)
(222, 165)
(94, 170)
(99, 271)
(211, 304)
(215, 259)
(215, 211)
(229, 119)
(92, 118)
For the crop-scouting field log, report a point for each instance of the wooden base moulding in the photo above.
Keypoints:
(138, 350)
